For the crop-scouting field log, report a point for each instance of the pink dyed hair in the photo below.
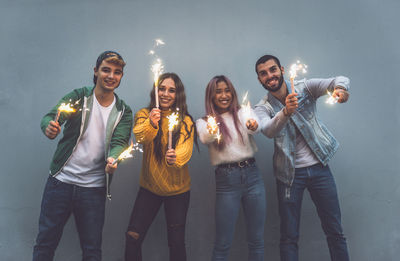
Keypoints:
(211, 109)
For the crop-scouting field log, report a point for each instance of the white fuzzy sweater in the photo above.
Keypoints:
(235, 150)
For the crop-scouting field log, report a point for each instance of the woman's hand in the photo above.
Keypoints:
(170, 156)
(252, 124)
(155, 116)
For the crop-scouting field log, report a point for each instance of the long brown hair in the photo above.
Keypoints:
(179, 104)
(212, 110)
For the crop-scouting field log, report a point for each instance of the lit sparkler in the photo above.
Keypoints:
(331, 99)
(65, 107)
(173, 120)
(159, 42)
(214, 128)
(124, 155)
(157, 68)
(293, 72)
(127, 153)
(246, 107)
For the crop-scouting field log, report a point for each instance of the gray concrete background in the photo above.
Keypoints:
(48, 48)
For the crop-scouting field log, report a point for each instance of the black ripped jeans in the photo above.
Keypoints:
(144, 211)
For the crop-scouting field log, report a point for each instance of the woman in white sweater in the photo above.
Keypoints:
(238, 181)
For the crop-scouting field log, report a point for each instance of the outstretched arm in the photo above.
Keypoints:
(339, 86)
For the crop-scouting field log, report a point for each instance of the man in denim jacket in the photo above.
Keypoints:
(303, 147)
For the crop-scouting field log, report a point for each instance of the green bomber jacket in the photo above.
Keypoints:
(118, 128)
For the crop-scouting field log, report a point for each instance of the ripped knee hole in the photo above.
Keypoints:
(135, 235)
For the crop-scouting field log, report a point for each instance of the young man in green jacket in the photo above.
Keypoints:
(95, 133)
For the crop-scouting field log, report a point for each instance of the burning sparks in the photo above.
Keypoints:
(127, 153)
(159, 42)
(66, 107)
(246, 107)
(213, 125)
(173, 120)
(331, 99)
(157, 68)
(294, 68)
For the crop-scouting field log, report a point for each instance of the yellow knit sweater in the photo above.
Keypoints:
(159, 177)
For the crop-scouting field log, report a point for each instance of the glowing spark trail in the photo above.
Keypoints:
(293, 72)
(246, 107)
(173, 120)
(214, 129)
(331, 99)
(157, 68)
(66, 107)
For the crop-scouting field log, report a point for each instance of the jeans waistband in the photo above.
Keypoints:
(239, 164)
(315, 165)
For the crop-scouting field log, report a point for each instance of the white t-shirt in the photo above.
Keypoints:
(304, 156)
(85, 167)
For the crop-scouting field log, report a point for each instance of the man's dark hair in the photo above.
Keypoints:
(266, 58)
(109, 56)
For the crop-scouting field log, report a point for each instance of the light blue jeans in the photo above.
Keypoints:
(236, 186)
(320, 183)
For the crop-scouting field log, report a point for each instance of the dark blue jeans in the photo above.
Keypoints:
(319, 181)
(59, 201)
(145, 210)
(239, 187)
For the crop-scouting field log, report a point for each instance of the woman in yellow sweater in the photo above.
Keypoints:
(164, 177)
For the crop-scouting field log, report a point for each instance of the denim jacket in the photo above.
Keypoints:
(318, 137)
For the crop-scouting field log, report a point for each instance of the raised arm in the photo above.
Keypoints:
(204, 135)
(143, 129)
(49, 126)
(270, 125)
(249, 120)
(184, 146)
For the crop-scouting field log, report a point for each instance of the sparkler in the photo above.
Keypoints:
(157, 68)
(331, 99)
(246, 107)
(127, 153)
(65, 107)
(124, 155)
(214, 128)
(173, 120)
(293, 72)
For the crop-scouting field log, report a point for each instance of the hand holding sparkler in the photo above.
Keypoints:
(339, 95)
(111, 166)
(213, 128)
(291, 104)
(170, 156)
(53, 129)
(155, 116)
(251, 124)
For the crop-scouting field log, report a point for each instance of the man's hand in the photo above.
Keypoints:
(155, 116)
(252, 124)
(291, 104)
(52, 129)
(342, 94)
(170, 156)
(110, 168)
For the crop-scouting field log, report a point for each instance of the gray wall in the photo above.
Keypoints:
(47, 48)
